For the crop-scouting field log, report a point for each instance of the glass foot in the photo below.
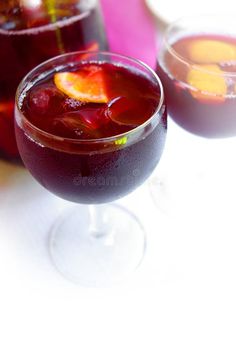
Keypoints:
(97, 246)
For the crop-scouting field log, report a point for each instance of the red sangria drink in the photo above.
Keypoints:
(32, 32)
(91, 127)
(198, 68)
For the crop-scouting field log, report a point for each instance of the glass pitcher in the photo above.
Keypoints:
(32, 31)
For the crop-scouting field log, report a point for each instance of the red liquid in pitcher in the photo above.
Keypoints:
(30, 35)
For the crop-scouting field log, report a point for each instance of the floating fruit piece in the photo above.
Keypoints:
(130, 111)
(46, 100)
(71, 126)
(86, 85)
(207, 51)
(85, 124)
(208, 82)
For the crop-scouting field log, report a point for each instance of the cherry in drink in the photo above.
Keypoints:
(32, 32)
(198, 70)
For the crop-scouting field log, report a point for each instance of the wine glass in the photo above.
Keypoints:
(95, 244)
(197, 65)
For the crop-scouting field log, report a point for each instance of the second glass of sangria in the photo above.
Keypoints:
(197, 65)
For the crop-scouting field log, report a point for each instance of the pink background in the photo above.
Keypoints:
(130, 29)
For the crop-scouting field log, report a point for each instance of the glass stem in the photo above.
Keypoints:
(99, 221)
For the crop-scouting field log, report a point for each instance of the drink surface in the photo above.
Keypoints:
(199, 75)
(30, 35)
(93, 101)
(110, 113)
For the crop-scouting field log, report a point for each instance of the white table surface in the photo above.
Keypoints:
(181, 299)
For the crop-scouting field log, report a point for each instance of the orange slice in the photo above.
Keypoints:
(6, 107)
(210, 85)
(93, 47)
(207, 51)
(86, 85)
